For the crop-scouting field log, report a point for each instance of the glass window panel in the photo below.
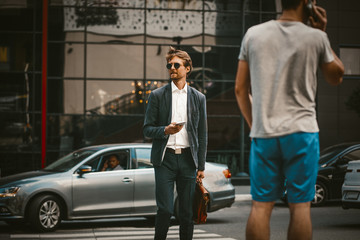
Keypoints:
(115, 61)
(113, 129)
(351, 59)
(35, 85)
(73, 96)
(218, 73)
(251, 19)
(56, 59)
(64, 133)
(56, 23)
(223, 28)
(20, 92)
(156, 62)
(174, 24)
(21, 17)
(19, 131)
(268, 17)
(105, 19)
(224, 145)
(114, 97)
(13, 92)
(176, 5)
(273, 6)
(229, 5)
(55, 101)
(68, 57)
(16, 50)
(16, 162)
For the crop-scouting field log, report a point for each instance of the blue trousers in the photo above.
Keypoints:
(179, 169)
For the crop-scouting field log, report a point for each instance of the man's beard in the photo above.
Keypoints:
(175, 78)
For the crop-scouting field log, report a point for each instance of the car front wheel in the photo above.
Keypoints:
(320, 194)
(45, 213)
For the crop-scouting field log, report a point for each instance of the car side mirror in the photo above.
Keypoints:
(84, 169)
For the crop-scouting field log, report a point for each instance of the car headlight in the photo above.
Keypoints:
(9, 191)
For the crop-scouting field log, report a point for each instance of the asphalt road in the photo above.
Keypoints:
(329, 222)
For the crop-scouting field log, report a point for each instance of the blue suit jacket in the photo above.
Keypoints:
(158, 116)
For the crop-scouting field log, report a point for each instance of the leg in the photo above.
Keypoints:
(258, 225)
(185, 186)
(300, 221)
(301, 151)
(165, 177)
(267, 183)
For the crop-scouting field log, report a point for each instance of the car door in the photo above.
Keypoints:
(144, 192)
(103, 193)
(340, 169)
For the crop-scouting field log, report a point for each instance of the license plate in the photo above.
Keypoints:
(352, 195)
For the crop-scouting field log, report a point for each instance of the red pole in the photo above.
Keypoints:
(44, 82)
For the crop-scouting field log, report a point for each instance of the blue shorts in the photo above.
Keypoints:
(293, 157)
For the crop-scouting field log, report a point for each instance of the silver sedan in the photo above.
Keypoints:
(75, 187)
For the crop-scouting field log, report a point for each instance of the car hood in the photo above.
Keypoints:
(22, 176)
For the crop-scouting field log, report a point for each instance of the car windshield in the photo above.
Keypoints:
(67, 162)
(329, 153)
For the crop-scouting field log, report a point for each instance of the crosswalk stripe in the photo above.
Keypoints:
(127, 233)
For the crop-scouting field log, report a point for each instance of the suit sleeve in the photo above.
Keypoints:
(151, 128)
(202, 135)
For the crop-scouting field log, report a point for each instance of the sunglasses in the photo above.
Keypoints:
(176, 65)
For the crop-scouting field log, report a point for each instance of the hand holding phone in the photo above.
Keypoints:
(318, 18)
(180, 123)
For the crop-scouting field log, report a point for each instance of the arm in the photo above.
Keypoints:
(202, 137)
(242, 91)
(334, 70)
(106, 165)
(150, 127)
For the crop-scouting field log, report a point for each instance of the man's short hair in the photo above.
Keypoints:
(180, 54)
(114, 155)
(290, 4)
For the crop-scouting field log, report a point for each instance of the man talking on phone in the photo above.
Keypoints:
(276, 89)
(176, 121)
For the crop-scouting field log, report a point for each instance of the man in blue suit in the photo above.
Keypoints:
(176, 121)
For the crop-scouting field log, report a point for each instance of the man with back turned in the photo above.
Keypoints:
(176, 121)
(276, 90)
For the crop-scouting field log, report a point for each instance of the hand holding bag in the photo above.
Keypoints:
(201, 200)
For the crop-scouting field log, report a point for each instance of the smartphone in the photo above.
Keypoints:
(180, 123)
(310, 8)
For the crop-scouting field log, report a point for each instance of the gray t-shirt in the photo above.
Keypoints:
(283, 59)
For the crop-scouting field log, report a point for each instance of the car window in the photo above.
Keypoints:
(354, 155)
(328, 154)
(94, 163)
(122, 156)
(67, 162)
(143, 158)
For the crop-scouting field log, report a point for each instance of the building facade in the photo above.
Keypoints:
(75, 73)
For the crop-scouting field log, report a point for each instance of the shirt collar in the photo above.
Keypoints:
(174, 87)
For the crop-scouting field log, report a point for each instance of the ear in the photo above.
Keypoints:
(187, 69)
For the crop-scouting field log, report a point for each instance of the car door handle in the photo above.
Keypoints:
(127, 180)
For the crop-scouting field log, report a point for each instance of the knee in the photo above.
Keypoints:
(296, 208)
(165, 212)
(263, 208)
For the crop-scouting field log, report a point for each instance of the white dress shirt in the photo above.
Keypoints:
(179, 114)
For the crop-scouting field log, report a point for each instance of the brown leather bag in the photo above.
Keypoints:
(201, 200)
